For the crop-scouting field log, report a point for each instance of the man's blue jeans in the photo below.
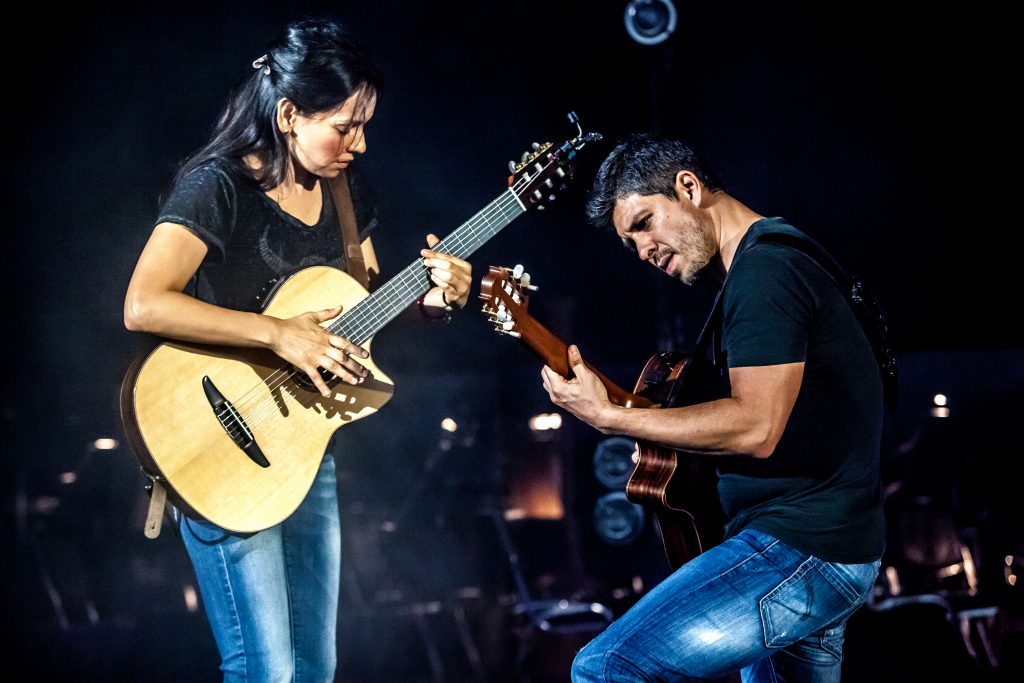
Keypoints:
(751, 603)
(272, 597)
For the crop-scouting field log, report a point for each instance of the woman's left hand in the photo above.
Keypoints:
(451, 276)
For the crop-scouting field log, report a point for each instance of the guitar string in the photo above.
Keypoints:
(361, 330)
(357, 317)
(514, 192)
(364, 318)
(390, 292)
(258, 413)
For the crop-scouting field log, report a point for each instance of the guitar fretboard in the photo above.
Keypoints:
(375, 311)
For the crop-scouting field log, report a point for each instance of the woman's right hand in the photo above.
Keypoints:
(306, 344)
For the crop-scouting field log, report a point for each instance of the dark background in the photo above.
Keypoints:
(883, 132)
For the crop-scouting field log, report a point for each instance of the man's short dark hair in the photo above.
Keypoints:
(643, 164)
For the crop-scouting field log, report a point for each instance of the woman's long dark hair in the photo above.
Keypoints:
(317, 66)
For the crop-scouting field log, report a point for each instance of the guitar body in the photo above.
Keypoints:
(180, 441)
(676, 486)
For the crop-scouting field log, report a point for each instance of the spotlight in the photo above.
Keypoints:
(617, 520)
(650, 22)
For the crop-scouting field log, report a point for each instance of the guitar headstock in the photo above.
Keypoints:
(544, 171)
(504, 293)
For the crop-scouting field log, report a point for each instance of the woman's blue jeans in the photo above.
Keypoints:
(272, 597)
(751, 604)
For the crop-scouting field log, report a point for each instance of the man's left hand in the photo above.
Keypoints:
(584, 396)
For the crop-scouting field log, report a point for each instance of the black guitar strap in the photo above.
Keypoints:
(863, 304)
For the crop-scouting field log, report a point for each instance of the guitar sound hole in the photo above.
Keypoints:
(303, 380)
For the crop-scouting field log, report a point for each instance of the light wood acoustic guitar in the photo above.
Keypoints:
(236, 435)
(675, 486)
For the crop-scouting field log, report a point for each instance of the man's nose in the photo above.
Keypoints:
(645, 247)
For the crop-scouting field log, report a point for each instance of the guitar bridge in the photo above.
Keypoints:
(233, 423)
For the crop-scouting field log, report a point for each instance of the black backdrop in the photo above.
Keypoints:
(879, 130)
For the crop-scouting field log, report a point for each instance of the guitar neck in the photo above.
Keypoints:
(367, 317)
(554, 352)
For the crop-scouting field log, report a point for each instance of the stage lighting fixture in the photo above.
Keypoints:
(650, 22)
(617, 520)
(614, 462)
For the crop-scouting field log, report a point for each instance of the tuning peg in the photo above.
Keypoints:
(512, 166)
(518, 271)
(534, 146)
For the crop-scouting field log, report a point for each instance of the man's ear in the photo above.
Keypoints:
(688, 186)
(286, 114)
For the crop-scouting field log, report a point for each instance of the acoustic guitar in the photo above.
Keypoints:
(234, 435)
(674, 486)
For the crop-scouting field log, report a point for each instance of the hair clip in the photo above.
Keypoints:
(261, 63)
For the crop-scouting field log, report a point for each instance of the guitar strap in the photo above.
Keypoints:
(354, 263)
(705, 351)
(155, 514)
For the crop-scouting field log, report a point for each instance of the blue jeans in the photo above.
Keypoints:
(272, 597)
(751, 604)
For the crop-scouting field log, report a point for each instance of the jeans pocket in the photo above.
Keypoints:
(816, 595)
(785, 608)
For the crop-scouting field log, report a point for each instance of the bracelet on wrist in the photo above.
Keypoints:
(446, 315)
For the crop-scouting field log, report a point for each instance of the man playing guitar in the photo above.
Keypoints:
(795, 439)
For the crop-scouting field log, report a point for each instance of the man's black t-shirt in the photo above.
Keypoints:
(820, 490)
(251, 240)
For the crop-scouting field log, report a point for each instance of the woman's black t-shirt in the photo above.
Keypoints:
(251, 240)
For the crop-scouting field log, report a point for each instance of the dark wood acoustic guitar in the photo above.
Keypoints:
(674, 485)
